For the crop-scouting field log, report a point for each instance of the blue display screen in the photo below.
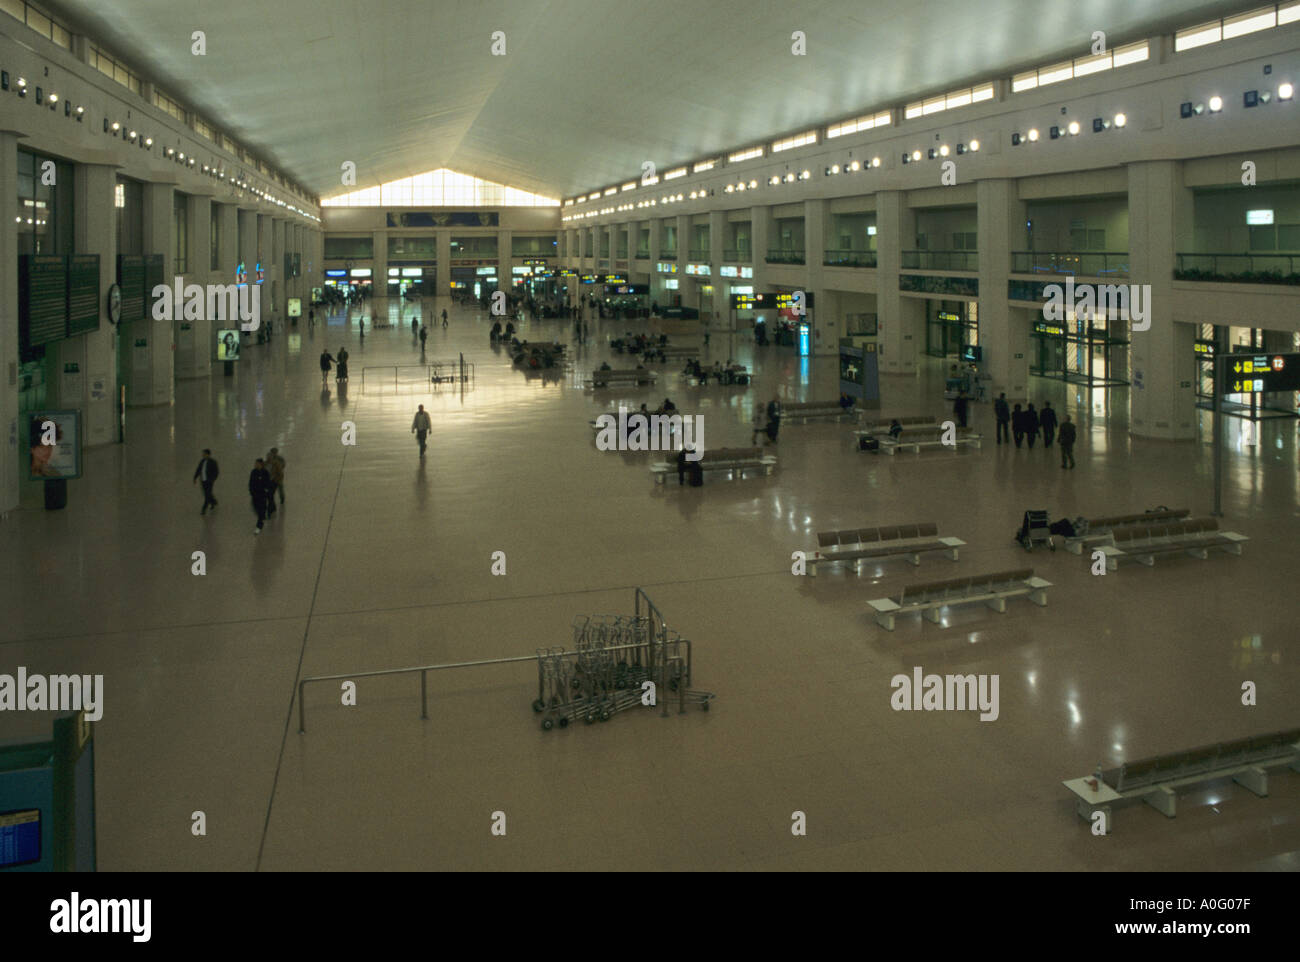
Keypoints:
(20, 837)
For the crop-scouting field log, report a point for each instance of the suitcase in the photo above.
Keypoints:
(868, 444)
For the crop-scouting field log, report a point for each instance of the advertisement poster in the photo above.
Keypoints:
(70, 389)
(54, 441)
(295, 307)
(228, 345)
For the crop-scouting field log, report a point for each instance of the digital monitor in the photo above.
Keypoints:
(295, 307)
(20, 837)
(228, 344)
(972, 354)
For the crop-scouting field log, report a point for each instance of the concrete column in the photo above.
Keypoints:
(683, 224)
(148, 366)
(505, 277)
(901, 318)
(277, 276)
(95, 354)
(13, 462)
(442, 243)
(230, 254)
(1162, 398)
(192, 338)
(271, 308)
(826, 317)
(1004, 331)
(717, 237)
(245, 249)
(379, 271)
(760, 226)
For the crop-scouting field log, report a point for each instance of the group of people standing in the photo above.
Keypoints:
(1025, 425)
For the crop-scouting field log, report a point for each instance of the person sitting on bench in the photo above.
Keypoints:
(604, 366)
(846, 402)
(895, 429)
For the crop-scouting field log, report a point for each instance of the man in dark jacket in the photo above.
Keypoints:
(1018, 426)
(1067, 442)
(259, 489)
(1031, 425)
(960, 408)
(773, 418)
(1047, 420)
(206, 474)
(1003, 415)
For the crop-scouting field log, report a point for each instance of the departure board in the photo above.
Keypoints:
(153, 276)
(130, 277)
(42, 298)
(1261, 373)
(83, 294)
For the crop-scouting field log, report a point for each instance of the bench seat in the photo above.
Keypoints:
(855, 545)
(990, 589)
(624, 376)
(1143, 543)
(721, 459)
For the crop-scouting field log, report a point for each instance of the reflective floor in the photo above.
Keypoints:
(381, 560)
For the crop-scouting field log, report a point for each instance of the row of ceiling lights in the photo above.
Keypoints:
(1071, 129)
(1250, 98)
(133, 136)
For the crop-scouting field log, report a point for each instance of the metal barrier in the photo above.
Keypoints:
(417, 377)
(662, 653)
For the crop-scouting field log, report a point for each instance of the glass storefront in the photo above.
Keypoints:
(950, 326)
(1078, 352)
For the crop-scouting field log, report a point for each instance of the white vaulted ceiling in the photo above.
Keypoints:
(587, 89)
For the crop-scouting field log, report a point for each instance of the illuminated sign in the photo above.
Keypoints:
(945, 316)
(1260, 373)
(1051, 330)
(1259, 218)
(535, 262)
(729, 271)
(701, 270)
(361, 272)
(784, 300)
(664, 267)
(336, 273)
(615, 278)
(612, 289)
(591, 278)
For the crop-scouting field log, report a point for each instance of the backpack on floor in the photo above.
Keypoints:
(867, 443)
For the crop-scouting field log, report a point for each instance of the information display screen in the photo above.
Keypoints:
(43, 298)
(130, 278)
(591, 279)
(1260, 373)
(20, 837)
(782, 301)
(295, 307)
(228, 345)
(615, 278)
(83, 293)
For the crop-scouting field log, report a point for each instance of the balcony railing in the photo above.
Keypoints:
(1239, 268)
(850, 258)
(668, 255)
(643, 255)
(785, 257)
(1085, 263)
(941, 260)
(699, 253)
(740, 255)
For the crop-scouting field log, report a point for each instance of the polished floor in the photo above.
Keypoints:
(381, 560)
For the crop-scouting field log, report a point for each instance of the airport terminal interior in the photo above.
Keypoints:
(410, 272)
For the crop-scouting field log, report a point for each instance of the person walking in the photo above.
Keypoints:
(363, 328)
(1047, 419)
(444, 318)
(960, 408)
(311, 318)
(1031, 425)
(1018, 425)
(206, 474)
(342, 373)
(259, 489)
(275, 465)
(1066, 439)
(1003, 416)
(421, 427)
(424, 336)
(326, 359)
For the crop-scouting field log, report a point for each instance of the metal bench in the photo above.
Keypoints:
(928, 437)
(1194, 536)
(804, 411)
(882, 424)
(1101, 530)
(856, 545)
(621, 376)
(990, 589)
(1154, 780)
(735, 460)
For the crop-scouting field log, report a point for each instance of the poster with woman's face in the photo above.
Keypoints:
(54, 443)
(227, 345)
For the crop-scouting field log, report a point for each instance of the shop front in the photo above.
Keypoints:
(951, 327)
(1079, 352)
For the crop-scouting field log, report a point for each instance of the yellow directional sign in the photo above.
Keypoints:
(1237, 367)
(1236, 387)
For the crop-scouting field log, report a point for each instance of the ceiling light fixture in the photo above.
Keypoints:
(1285, 91)
(1120, 120)
(975, 145)
(1216, 104)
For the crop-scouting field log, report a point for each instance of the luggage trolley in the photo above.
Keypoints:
(1035, 530)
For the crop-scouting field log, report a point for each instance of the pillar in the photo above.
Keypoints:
(13, 463)
(1162, 397)
(276, 275)
(443, 246)
(1003, 330)
(901, 318)
(826, 317)
(192, 339)
(148, 373)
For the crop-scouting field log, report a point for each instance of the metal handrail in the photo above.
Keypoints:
(1250, 259)
(1070, 262)
(660, 633)
(941, 260)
